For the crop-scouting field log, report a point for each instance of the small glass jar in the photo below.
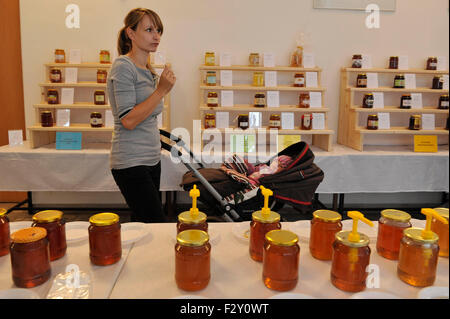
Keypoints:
(104, 56)
(391, 225)
(299, 80)
(438, 83)
(415, 122)
(60, 56)
(304, 101)
(210, 120)
(96, 119)
(393, 62)
(372, 122)
(212, 99)
(105, 245)
(211, 78)
(324, 226)
(101, 76)
(187, 221)
(357, 61)
(4, 233)
(406, 101)
(432, 63)
(281, 257)
(52, 96)
(259, 226)
(443, 102)
(99, 97)
(399, 81)
(53, 222)
(253, 59)
(210, 58)
(55, 76)
(307, 121)
(30, 258)
(46, 119)
(349, 262)
(243, 121)
(275, 121)
(368, 101)
(297, 57)
(260, 100)
(418, 257)
(192, 260)
(258, 79)
(441, 230)
(361, 80)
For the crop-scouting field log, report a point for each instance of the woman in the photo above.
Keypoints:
(136, 94)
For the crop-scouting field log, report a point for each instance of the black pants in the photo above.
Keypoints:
(139, 186)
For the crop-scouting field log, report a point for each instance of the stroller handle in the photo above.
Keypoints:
(178, 141)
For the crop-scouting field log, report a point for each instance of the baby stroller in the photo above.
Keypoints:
(230, 195)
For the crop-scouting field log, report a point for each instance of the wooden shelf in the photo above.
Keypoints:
(71, 128)
(251, 108)
(380, 70)
(258, 68)
(90, 65)
(404, 131)
(235, 130)
(262, 88)
(78, 84)
(78, 105)
(389, 89)
(396, 109)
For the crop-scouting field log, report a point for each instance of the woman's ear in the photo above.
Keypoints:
(130, 33)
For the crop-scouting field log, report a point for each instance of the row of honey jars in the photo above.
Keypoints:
(60, 56)
(56, 76)
(53, 97)
(47, 119)
(431, 63)
(259, 100)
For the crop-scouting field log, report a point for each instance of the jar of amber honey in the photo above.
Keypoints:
(281, 258)
(4, 233)
(258, 79)
(192, 260)
(99, 97)
(210, 58)
(260, 100)
(52, 96)
(253, 59)
(299, 80)
(186, 221)
(60, 56)
(391, 225)
(53, 222)
(324, 226)
(105, 245)
(55, 76)
(275, 121)
(441, 230)
(101, 76)
(210, 120)
(30, 259)
(303, 100)
(213, 99)
(104, 56)
(307, 121)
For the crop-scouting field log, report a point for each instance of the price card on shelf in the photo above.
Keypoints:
(410, 81)
(285, 141)
(318, 121)
(226, 98)
(63, 117)
(75, 56)
(287, 120)
(270, 78)
(366, 61)
(109, 119)
(311, 79)
(442, 63)
(226, 78)
(308, 60)
(15, 138)
(225, 59)
(372, 80)
(71, 75)
(269, 59)
(416, 100)
(255, 119)
(222, 119)
(403, 62)
(428, 122)
(425, 143)
(384, 121)
(315, 99)
(68, 140)
(67, 95)
(445, 85)
(378, 100)
(273, 99)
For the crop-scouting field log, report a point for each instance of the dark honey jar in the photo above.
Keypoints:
(243, 121)
(391, 225)
(368, 101)
(52, 96)
(415, 122)
(361, 80)
(55, 76)
(4, 233)
(324, 226)
(101, 76)
(432, 63)
(46, 119)
(53, 222)
(105, 245)
(393, 62)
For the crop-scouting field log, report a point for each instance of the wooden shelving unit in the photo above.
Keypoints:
(351, 132)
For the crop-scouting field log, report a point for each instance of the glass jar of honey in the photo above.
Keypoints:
(258, 79)
(303, 100)
(212, 99)
(324, 226)
(105, 245)
(259, 226)
(368, 101)
(192, 260)
(361, 80)
(46, 119)
(53, 222)
(357, 61)
(243, 121)
(60, 56)
(372, 122)
(104, 56)
(30, 259)
(443, 102)
(260, 100)
(297, 57)
(4, 233)
(406, 101)
(52, 96)
(211, 78)
(391, 225)
(415, 122)
(210, 58)
(55, 76)
(210, 120)
(101, 76)
(432, 63)
(438, 83)
(188, 221)
(99, 97)
(281, 258)
(441, 230)
(253, 59)
(399, 81)
(307, 121)
(393, 62)
(96, 119)
(275, 121)
(299, 80)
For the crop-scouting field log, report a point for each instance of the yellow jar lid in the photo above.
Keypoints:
(443, 211)
(104, 219)
(187, 218)
(281, 237)
(273, 217)
(192, 237)
(397, 215)
(2, 211)
(327, 215)
(47, 216)
(342, 237)
(28, 235)
(416, 234)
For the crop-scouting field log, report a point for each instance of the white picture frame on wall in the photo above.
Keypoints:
(384, 5)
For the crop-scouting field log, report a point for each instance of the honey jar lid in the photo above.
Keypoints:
(104, 219)
(47, 216)
(2, 211)
(342, 237)
(187, 218)
(416, 116)
(397, 215)
(417, 235)
(28, 235)
(281, 237)
(96, 113)
(192, 237)
(443, 211)
(327, 215)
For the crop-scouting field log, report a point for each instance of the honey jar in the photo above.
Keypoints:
(415, 122)
(4, 233)
(351, 256)
(99, 97)
(299, 80)
(258, 79)
(60, 56)
(243, 121)
(275, 121)
(432, 62)
(297, 57)
(213, 99)
(393, 62)
(372, 122)
(52, 96)
(303, 100)
(30, 259)
(55, 76)
(53, 222)
(104, 56)
(46, 119)
(210, 120)
(193, 218)
(96, 119)
(253, 59)
(211, 78)
(324, 226)
(391, 225)
(307, 121)
(357, 61)
(368, 101)
(105, 245)
(406, 101)
(281, 258)
(438, 83)
(443, 102)
(192, 260)
(263, 221)
(361, 80)
(399, 81)
(441, 229)
(260, 100)
(210, 58)
(101, 76)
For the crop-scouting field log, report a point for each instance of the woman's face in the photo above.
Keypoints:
(146, 37)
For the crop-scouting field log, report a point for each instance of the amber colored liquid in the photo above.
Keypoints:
(441, 230)
(348, 268)
(30, 263)
(192, 266)
(258, 232)
(388, 240)
(4, 236)
(322, 237)
(183, 226)
(105, 245)
(280, 266)
(417, 263)
(56, 235)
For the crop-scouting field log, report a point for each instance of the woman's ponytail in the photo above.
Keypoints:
(123, 42)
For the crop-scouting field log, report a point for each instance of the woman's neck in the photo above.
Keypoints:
(139, 58)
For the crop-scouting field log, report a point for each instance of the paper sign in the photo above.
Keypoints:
(159, 58)
(442, 63)
(285, 141)
(384, 121)
(68, 140)
(287, 120)
(269, 59)
(225, 59)
(270, 78)
(15, 137)
(273, 98)
(109, 119)
(315, 99)
(67, 95)
(416, 100)
(222, 119)
(445, 85)
(410, 81)
(372, 80)
(428, 122)
(403, 62)
(308, 60)
(378, 100)
(242, 143)
(311, 79)
(226, 78)
(71, 75)
(63, 117)
(318, 121)
(425, 143)
(75, 56)
(226, 98)
(366, 61)
(255, 119)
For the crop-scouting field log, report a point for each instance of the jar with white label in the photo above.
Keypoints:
(96, 119)
(299, 80)
(443, 102)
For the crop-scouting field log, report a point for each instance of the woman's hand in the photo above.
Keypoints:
(166, 80)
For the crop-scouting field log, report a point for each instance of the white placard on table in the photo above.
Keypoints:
(226, 98)
(287, 120)
(254, 119)
(273, 98)
(378, 100)
(384, 121)
(372, 80)
(222, 119)
(67, 95)
(269, 59)
(71, 75)
(225, 59)
(311, 79)
(63, 117)
(318, 121)
(403, 62)
(226, 78)
(445, 85)
(416, 100)
(366, 61)
(109, 119)
(15, 137)
(428, 122)
(75, 56)
(410, 81)
(159, 58)
(270, 78)
(315, 99)
(308, 60)
(442, 63)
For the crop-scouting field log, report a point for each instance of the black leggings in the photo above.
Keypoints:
(139, 186)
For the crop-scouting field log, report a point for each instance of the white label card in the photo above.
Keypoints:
(416, 100)
(270, 78)
(366, 61)
(63, 117)
(308, 60)
(428, 122)
(227, 98)
(372, 80)
(318, 121)
(311, 79)
(255, 119)
(67, 95)
(273, 99)
(442, 63)
(75, 56)
(222, 119)
(287, 120)
(315, 99)
(445, 85)
(225, 59)
(403, 62)
(71, 75)
(384, 121)
(378, 100)
(410, 81)
(269, 59)
(15, 137)
(109, 119)
(226, 78)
